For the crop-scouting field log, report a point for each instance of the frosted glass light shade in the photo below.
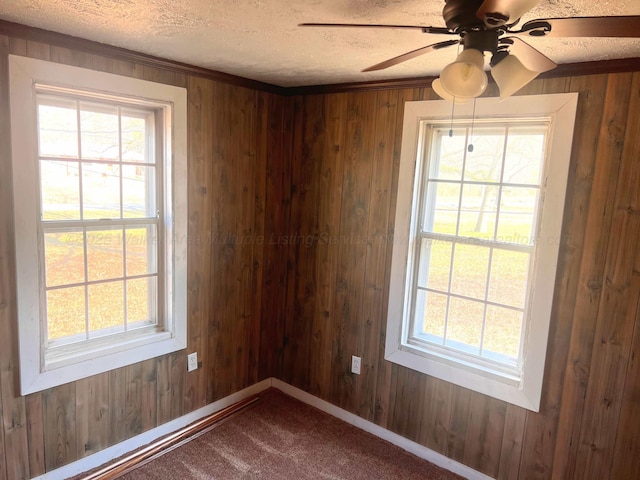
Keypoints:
(442, 93)
(511, 75)
(465, 78)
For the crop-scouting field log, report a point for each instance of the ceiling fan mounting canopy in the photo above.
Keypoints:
(461, 14)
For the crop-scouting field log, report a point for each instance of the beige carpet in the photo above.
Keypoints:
(282, 438)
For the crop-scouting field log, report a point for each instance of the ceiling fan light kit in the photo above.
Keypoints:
(465, 78)
(487, 26)
(442, 93)
(511, 75)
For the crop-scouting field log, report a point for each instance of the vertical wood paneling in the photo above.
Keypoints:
(617, 312)
(200, 243)
(92, 414)
(274, 280)
(59, 412)
(14, 421)
(541, 428)
(354, 220)
(328, 225)
(591, 380)
(596, 239)
(375, 242)
(233, 141)
(383, 368)
(300, 168)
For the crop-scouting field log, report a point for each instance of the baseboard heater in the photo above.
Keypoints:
(165, 444)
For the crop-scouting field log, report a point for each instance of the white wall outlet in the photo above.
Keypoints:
(192, 361)
(356, 362)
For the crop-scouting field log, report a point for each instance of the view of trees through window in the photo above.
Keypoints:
(478, 222)
(99, 216)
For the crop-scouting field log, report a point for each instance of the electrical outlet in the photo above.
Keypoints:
(355, 364)
(192, 361)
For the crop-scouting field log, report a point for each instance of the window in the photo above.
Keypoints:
(480, 202)
(99, 170)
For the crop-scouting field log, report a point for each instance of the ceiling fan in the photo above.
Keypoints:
(487, 26)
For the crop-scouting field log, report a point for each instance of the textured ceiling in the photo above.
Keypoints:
(260, 40)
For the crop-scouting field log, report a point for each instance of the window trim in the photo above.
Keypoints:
(560, 109)
(24, 74)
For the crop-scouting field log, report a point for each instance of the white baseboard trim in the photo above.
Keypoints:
(398, 440)
(127, 446)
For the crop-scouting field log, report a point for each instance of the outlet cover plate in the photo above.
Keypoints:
(356, 362)
(192, 361)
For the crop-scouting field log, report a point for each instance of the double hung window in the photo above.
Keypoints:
(99, 201)
(480, 207)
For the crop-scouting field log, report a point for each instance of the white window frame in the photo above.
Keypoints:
(109, 353)
(525, 391)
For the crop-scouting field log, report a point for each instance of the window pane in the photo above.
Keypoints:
(509, 272)
(138, 191)
(65, 312)
(141, 250)
(64, 257)
(99, 131)
(435, 264)
(101, 190)
(470, 268)
(434, 315)
(57, 127)
(104, 254)
(134, 139)
(464, 325)
(484, 163)
(441, 207)
(446, 162)
(106, 308)
(517, 214)
(478, 212)
(502, 331)
(141, 301)
(59, 190)
(525, 154)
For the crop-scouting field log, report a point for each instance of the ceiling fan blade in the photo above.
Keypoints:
(412, 54)
(531, 58)
(424, 29)
(504, 12)
(623, 27)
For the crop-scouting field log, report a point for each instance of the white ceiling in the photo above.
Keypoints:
(260, 39)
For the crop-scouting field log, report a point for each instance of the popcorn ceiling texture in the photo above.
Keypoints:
(259, 39)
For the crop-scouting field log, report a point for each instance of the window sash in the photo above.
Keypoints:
(56, 350)
(414, 334)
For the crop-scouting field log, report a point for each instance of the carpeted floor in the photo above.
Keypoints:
(282, 438)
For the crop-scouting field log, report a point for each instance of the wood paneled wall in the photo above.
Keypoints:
(344, 181)
(291, 209)
(235, 139)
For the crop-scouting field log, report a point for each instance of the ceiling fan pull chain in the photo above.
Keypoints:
(473, 119)
(453, 107)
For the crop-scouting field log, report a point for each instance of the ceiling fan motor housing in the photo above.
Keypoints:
(461, 14)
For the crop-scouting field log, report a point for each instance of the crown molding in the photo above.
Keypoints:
(25, 32)
(62, 40)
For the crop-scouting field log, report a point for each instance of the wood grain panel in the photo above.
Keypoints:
(14, 421)
(200, 199)
(226, 126)
(588, 365)
(541, 428)
(278, 202)
(346, 387)
(92, 414)
(59, 415)
(616, 315)
(590, 280)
